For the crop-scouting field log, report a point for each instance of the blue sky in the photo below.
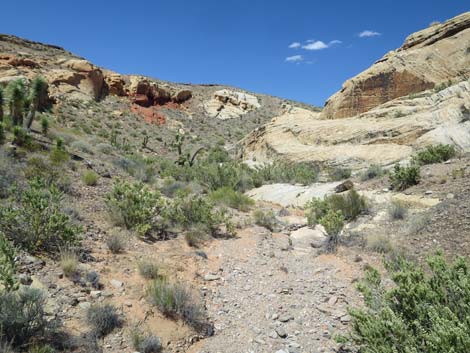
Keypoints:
(244, 43)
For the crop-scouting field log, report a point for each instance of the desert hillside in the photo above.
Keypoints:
(139, 215)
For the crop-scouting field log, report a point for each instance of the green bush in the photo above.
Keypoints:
(44, 125)
(176, 301)
(8, 278)
(426, 309)
(135, 206)
(103, 319)
(231, 198)
(22, 315)
(284, 172)
(338, 173)
(435, 154)
(21, 137)
(90, 178)
(333, 222)
(403, 177)
(192, 211)
(36, 221)
(351, 205)
(374, 171)
(265, 219)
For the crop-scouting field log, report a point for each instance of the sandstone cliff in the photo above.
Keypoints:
(431, 57)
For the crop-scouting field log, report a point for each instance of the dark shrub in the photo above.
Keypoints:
(403, 177)
(103, 319)
(435, 154)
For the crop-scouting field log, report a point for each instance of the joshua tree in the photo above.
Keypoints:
(16, 96)
(1, 105)
(37, 91)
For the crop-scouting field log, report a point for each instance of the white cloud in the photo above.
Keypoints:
(368, 33)
(295, 45)
(319, 45)
(295, 58)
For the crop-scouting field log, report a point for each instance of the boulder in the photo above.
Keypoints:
(182, 96)
(306, 238)
(116, 84)
(344, 186)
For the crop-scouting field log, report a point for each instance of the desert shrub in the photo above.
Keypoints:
(9, 172)
(188, 212)
(104, 148)
(435, 154)
(338, 173)
(265, 219)
(82, 146)
(195, 236)
(94, 279)
(22, 315)
(21, 137)
(218, 175)
(146, 343)
(68, 262)
(103, 319)
(333, 222)
(135, 206)
(36, 221)
(232, 198)
(59, 155)
(403, 177)
(8, 278)
(284, 172)
(41, 349)
(374, 171)
(51, 173)
(149, 270)
(418, 223)
(425, 310)
(90, 178)
(116, 243)
(171, 188)
(351, 205)
(176, 301)
(44, 125)
(397, 210)
(379, 243)
(137, 166)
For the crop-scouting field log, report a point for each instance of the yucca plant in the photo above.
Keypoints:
(16, 97)
(37, 91)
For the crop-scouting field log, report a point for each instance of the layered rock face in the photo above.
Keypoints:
(384, 135)
(430, 57)
(228, 104)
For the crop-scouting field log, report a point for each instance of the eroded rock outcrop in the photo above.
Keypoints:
(430, 57)
(228, 104)
(384, 135)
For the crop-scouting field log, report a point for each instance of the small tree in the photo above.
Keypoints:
(37, 91)
(16, 97)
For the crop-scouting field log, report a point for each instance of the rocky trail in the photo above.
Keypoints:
(265, 296)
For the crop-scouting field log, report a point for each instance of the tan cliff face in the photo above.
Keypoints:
(386, 113)
(433, 56)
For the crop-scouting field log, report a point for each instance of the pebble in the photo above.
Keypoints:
(211, 277)
(116, 284)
